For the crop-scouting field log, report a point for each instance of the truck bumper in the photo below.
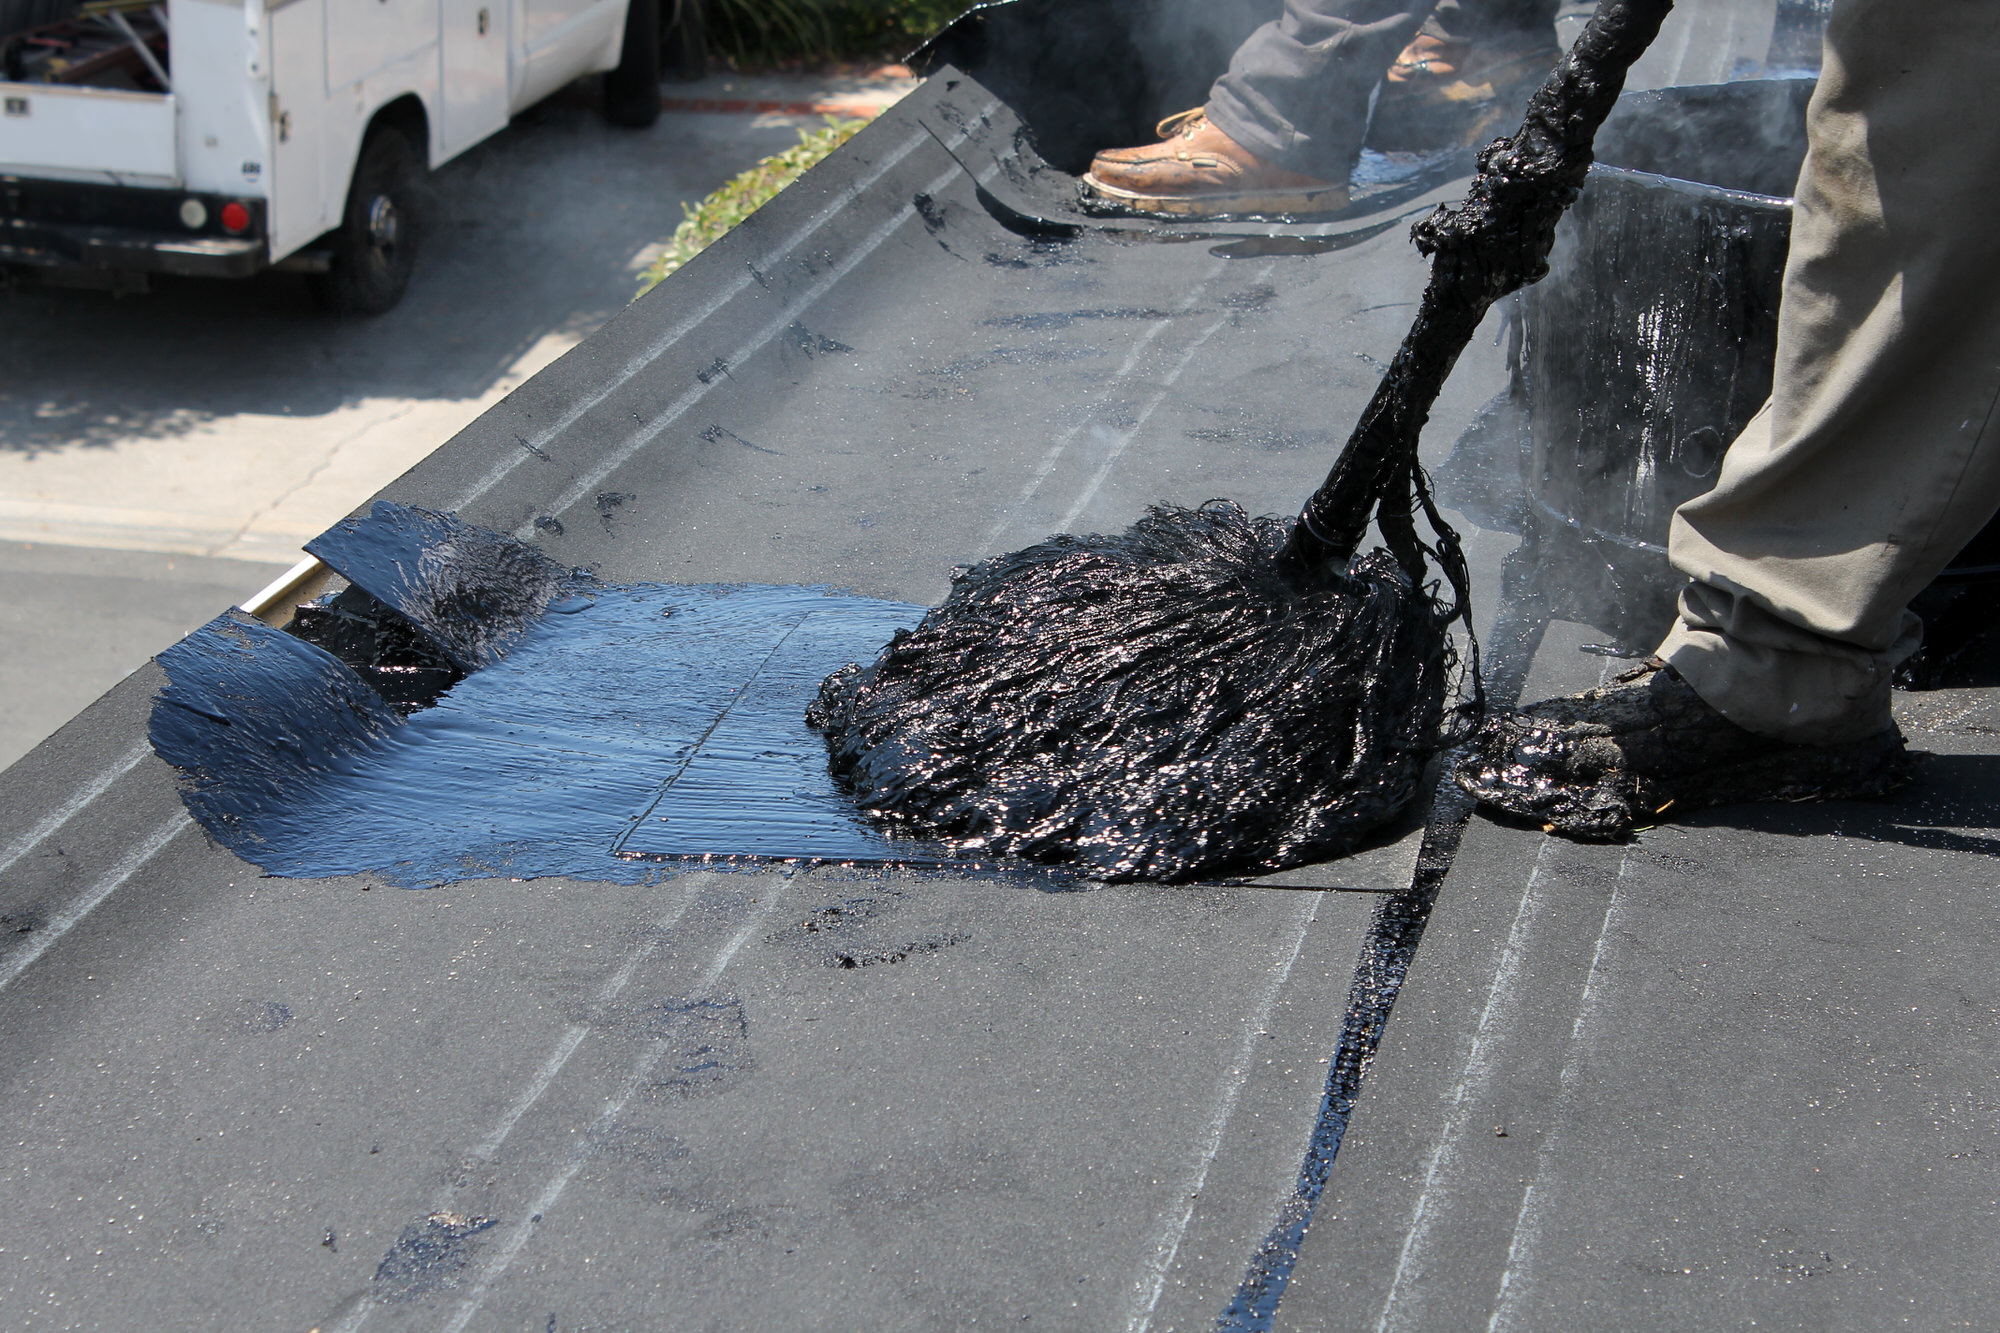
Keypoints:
(130, 251)
(63, 225)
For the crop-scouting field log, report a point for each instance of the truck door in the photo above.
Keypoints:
(298, 193)
(366, 37)
(566, 38)
(473, 76)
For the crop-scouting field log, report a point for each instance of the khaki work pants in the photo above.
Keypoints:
(1878, 455)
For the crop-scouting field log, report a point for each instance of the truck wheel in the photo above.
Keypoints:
(632, 91)
(375, 246)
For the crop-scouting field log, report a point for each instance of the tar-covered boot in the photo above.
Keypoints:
(1198, 171)
(1645, 749)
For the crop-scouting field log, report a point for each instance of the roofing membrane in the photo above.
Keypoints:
(1738, 1068)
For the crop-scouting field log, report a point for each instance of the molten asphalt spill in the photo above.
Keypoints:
(530, 720)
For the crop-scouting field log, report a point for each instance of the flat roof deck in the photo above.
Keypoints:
(1745, 1068)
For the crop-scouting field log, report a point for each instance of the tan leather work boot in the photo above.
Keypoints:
(1454, 69)
(1446, 92)
(1197, 171)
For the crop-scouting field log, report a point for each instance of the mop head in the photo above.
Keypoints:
(1173, 703)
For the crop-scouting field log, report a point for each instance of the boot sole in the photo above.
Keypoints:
(1330, 199)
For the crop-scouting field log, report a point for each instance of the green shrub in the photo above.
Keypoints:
(769, 32)
(776, 32)
(889, 27)
(705, 222)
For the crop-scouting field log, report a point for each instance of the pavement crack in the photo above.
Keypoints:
(325, 462)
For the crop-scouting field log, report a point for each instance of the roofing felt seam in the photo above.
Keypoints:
(1125, 438)
(650, 431)
(576, 1032)
(1047, 465)
(1387, 952)
(1522, 1250)
(75, 805)
(1473, 1078)
(528, 1217)
(1478, 1071)
(790, 245)
(86, 903)
(1255, 1026)
(550, 1069)
(642, 1070)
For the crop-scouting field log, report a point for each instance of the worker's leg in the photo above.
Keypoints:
(1876, 460)
(1467, 75)
(1297, 91)
(1878, 456)
(1282, 128)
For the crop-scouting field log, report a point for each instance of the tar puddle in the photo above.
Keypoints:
(470, 710)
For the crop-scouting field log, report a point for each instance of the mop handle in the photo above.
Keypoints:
(1494, 243)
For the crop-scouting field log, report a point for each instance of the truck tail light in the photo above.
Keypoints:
(235, 217)
(194, 214)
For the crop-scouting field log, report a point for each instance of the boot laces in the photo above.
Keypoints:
(1182, 123)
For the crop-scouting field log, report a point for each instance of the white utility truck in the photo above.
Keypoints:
(220, 137)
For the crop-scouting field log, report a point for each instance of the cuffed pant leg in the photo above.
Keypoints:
(1878, 456)
(1297, 91)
